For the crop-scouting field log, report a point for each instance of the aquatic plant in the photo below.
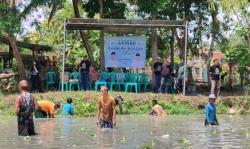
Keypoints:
(183, 141)
(85, 109)
(178, 107)
(146, 146)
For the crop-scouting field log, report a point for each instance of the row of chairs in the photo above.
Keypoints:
(71, 80)
(117, 81)
(126, 80)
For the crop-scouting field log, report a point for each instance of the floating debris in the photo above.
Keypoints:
(146, 146)
(26, 138)
(82, 129)
(151, 133)
(247, 135)
(183, 141)
(165, 136)
(153, 143)
(124, 139)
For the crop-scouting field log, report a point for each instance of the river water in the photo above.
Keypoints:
(131, 132)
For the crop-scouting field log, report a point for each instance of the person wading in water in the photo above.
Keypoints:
(106, 115)
(157, 110)
(25, 106)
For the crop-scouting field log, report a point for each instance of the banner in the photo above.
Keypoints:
(125, 52)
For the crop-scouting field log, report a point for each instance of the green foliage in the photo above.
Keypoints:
(10, 23)
(171, 107)
(236, 51)
(146, 146)
(52, 35)
(247, 89)
(111, 8)
(84, 109)
(9, 86)
(177, 107)
(222, 108)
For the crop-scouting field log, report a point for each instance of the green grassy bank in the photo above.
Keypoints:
(86, 103)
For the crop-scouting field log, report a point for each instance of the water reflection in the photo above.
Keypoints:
(131, 132)
(46, 131)
(105, 138)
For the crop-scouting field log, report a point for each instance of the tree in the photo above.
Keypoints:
(52, 35)
(236, 53)
(10, 24)
(152, 9)
(106, 9)
(82, 33)
(240, 9)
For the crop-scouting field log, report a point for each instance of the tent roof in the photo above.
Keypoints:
(98, 24)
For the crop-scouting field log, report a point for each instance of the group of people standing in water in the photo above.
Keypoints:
(27, 104)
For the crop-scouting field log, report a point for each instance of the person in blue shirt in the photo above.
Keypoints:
(210, 111)
(68, 108)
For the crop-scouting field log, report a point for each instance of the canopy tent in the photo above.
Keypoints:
(108, 25)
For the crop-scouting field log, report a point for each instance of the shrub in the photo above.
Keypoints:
(222, 108)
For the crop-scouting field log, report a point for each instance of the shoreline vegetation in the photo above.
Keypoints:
(86, 103)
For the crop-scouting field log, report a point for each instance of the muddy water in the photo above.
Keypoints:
(131, 132)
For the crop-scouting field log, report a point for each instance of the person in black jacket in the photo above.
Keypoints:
(84, 70)
(157, 72)
(166, 75)
(35, 79)
(215, 71)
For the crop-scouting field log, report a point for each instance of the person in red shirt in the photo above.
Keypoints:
(94, 76)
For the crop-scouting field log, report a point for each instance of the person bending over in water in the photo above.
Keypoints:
(106, 114)
(68, 108)
(210, 111)
(25, 105)
(46, 108)
(118, 101)
(157, 109)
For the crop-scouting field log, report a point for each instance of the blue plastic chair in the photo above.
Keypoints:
(114, 81)
(65, 83)
(74, 80)
(50, 79)
(132, 82)
(121, 79)
(143, 81)
(103, 80)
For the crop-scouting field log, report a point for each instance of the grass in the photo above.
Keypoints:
(86, 102)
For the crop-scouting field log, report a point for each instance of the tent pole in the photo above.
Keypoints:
(185, 60)
(64, 49)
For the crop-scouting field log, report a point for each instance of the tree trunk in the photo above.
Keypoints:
(82, 33)
(215, 22)
(242, 78)
(172, 47)
(154, 41)
(102, 49)
(209, 59)
(18, 58)
(101, 36)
